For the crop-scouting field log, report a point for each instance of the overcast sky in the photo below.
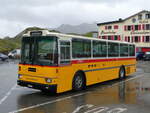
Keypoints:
(16, 15)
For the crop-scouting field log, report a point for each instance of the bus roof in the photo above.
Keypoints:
(67, 36)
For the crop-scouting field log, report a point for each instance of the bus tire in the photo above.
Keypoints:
(78, 82)
(122, 73)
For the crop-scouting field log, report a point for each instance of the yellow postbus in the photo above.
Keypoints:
(58, 62)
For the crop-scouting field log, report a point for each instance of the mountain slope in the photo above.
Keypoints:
(7, 44)
(78, 29)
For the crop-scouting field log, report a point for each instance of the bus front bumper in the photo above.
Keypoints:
(51, 88)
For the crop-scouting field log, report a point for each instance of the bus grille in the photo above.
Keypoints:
(32, 69)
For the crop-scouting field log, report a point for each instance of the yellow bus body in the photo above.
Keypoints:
(95, 71)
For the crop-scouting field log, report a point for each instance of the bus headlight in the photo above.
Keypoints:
(48, 80)
(19, 76)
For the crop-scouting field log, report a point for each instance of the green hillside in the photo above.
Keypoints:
(7, 44)
(89, 34)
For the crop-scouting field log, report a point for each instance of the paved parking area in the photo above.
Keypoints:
(131, 95)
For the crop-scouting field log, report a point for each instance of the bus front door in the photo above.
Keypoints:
(64, 52)
(65, 70)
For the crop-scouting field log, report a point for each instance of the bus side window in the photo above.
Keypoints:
(113, 49)
(131, 50)
(124, 50)
(81, 48)
(99, 49)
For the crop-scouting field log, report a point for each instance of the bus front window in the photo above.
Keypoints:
(27, 50)
(46, 51)
(40, 50)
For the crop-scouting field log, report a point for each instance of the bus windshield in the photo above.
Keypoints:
(39, 50)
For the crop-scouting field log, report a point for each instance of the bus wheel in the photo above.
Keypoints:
(122, 73)
(78, 82)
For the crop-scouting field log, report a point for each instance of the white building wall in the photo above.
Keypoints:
(125, 34)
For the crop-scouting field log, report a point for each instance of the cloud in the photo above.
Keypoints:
(16, 15)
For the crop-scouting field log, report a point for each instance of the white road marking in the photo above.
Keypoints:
(83, 106)
(18, 88)
(50, 102)
(7, 94)
(97, 110)
(117, 110)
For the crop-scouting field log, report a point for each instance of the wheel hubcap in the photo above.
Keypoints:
(122, 73)
(78, 82)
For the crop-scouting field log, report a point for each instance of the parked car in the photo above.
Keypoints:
(148, 52)
(146, 56)
(140, 55)
(14, 54)
(3, 57)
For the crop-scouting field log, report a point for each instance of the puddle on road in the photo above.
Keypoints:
(118, 97)
(130, 97)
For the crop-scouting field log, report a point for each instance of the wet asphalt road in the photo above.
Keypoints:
(131, 95)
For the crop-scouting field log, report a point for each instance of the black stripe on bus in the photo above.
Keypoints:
(107, 68)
